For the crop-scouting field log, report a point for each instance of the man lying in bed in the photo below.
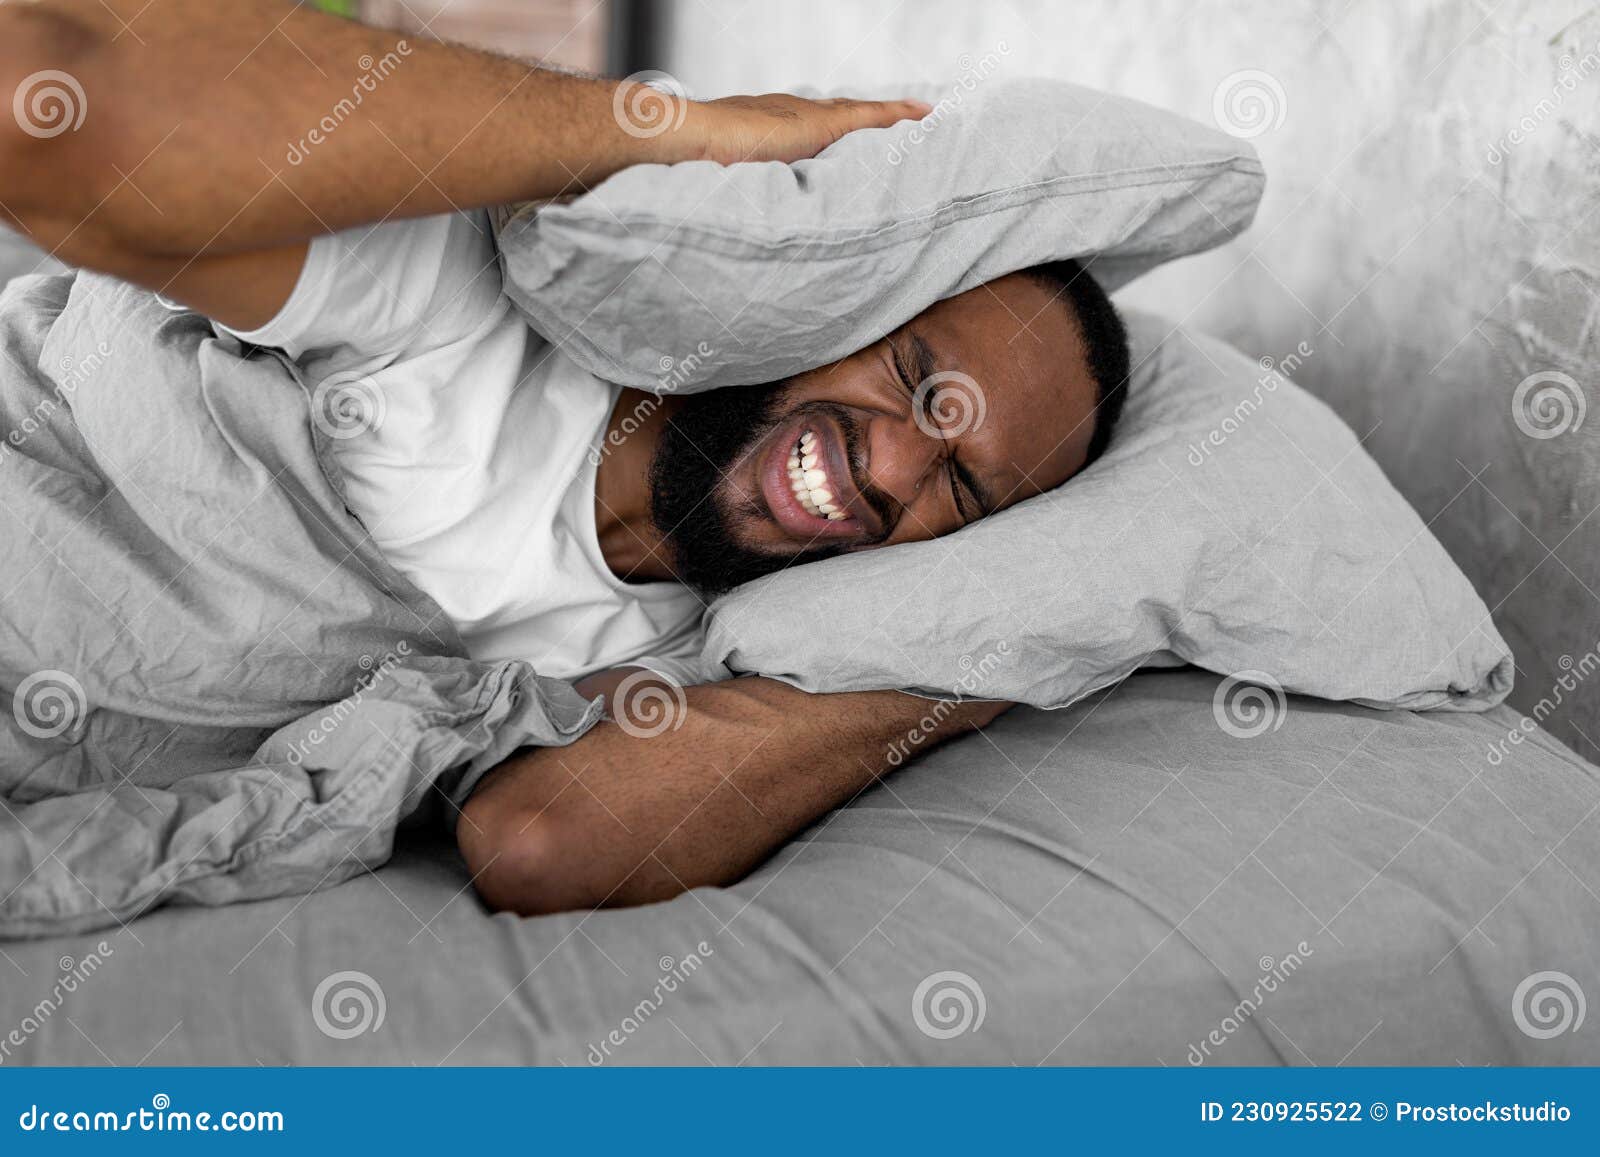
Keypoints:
(554, 518)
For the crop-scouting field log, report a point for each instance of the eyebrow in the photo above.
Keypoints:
(926, 365)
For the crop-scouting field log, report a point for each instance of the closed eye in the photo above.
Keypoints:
(903, 371)
(911, 375)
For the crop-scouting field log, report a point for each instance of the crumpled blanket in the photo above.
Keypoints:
(212, 685)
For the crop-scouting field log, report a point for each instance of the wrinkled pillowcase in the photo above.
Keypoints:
(1235, 523)
(691, 276)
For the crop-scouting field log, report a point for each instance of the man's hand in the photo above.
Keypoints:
(779, 127)
(699, 795)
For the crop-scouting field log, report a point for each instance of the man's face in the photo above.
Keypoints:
(977, 403)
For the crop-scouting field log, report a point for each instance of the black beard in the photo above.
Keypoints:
(700, 444)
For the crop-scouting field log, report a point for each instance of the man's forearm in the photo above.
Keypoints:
(619, 818)
(242, 126)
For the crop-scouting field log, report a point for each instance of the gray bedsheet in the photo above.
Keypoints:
(215, 688)
(1126, 881)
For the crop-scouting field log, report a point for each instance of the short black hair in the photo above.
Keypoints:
(1105, 341)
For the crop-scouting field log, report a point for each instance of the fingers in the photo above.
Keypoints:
(879, 114)
(783, 127)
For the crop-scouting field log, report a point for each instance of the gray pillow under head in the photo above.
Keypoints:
(1235, 524)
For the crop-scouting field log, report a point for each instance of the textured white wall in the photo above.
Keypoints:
(1430, 262)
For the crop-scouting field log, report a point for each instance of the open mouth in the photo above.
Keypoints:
(807, 484)
(808, 478)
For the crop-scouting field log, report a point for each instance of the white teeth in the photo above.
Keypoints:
(809, 482)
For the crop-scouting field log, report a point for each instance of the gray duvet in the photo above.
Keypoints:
(215, 688)
(1120, 882)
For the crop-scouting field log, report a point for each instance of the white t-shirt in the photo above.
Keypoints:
(468, 450)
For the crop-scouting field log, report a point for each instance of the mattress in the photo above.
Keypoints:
(1140, 879)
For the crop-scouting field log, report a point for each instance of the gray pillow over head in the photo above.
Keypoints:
(778, 269)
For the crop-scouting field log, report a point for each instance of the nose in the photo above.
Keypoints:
(901, 457)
